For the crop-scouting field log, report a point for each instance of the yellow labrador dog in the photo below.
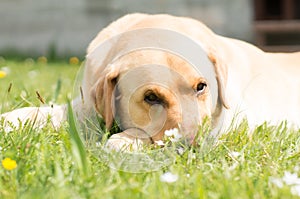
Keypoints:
(149, 91)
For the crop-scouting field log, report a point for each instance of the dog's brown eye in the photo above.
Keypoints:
(201, 87)
(152, 99)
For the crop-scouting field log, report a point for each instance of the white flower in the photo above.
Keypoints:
(291, 178)
(38, 145)
(98, 144)
(6, 69)
(23, 94)
(169, 177)
(173, 134)
(180, 150)
(233, 166)
(32, 74)
(295, 190)
(192, 156)
(8, 129)
(276, 181)
(235, 154)
(159, 143)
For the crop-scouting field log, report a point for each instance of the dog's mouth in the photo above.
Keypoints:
(171, 136)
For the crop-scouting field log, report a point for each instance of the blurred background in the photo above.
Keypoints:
(61, 28)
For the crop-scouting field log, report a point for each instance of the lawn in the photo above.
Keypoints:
(48, 163)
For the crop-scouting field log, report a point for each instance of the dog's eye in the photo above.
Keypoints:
(152, 99)
(201, 87)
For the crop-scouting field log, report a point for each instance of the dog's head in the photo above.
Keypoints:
(155, 91)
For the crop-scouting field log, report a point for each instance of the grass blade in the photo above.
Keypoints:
(57, 89)
(78, 148)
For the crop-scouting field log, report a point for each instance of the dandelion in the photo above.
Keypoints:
(42, 60)
(74, 61)
(173, 134)
(168, 177)
(2, 74)
(9, 164)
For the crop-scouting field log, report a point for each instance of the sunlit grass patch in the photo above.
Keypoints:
(50, 163)
(53, 81)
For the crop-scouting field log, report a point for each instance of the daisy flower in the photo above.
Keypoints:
(159, 143)
(291, 178)
(173, 134)
(168, 177)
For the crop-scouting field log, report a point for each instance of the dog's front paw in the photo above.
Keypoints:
(125, 141)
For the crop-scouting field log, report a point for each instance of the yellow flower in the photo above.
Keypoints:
(74, 61)
(2, 74)
(42, 60)
(9, 164)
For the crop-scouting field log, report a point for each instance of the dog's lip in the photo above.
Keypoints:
(188, 139)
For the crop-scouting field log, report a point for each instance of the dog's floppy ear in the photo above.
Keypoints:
(221, 76)
(102, 94)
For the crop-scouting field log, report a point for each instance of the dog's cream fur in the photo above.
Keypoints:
(252, 84)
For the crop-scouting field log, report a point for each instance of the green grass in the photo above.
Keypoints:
(51, 164)
(29, 76)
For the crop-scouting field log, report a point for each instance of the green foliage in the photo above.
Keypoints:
(53, 81)
(77, 144)
(53, 164)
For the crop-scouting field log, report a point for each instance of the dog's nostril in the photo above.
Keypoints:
(152, 99)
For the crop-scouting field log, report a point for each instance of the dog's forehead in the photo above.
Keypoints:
(150, 74)
(156, 66)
